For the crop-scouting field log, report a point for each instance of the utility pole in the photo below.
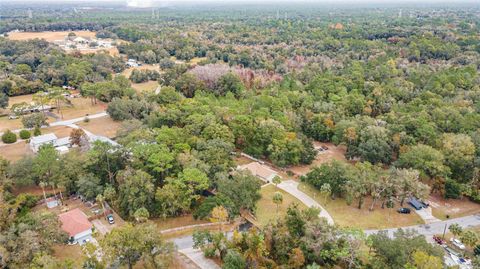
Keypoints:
(444, 230)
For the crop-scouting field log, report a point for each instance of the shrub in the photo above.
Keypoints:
(37, 131)
(25, 134)
(452, 189)
(9, 137)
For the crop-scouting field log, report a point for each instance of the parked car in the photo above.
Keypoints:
(404, 210)
(439, 240)
(457, 243)
(12, 117)
(110, 219)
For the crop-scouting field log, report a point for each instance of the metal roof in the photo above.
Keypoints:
(41, 139)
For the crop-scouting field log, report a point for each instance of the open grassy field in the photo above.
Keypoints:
(14, 152)
(81, 107)
(454, 208)
(267, 209)
(148, 86)
(6, 124)
(127, 72)
(350, 216)
(48, 35)
(103, 126)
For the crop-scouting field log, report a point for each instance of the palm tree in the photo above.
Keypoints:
(57, 94)
(455, 229)
(277, 199)
(60, 187)
(43, 185)
(42, 99)
(100, 199)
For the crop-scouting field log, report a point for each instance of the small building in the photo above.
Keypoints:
(37, 141)
(263, 172)
(77, 225)
(52, 202)
(416, 204)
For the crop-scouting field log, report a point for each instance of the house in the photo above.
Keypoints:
(263, 172)
(77, 225)
(52, 202)
(37, 141)
(132, 63)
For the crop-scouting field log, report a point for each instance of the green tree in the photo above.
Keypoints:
(455, 229)
(233, 260)
(242, 189)
(277, 199)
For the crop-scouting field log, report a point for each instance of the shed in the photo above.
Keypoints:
(415, 203)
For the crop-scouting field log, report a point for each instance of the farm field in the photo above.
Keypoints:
(267, 209)
(48, 35)
(350, 216)
(103, 126)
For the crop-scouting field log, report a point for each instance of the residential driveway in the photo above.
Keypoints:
(426, 215)
(199, 259)
(101, 227)
(291, 187)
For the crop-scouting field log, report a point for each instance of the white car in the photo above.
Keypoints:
(458, 243)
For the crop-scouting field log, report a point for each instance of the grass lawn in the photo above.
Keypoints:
(80, 108)
(169, 223)
(454, 208)
(104, 126)
(148, 86)
(267, 210)
(73, 253)
(350, 216)
(14, 152)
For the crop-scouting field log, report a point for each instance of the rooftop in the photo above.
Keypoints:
(43, 138)
(259, 170)
(74, 222)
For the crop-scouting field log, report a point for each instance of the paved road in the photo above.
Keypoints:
(291, 187)
(437, 227)
(73, 121)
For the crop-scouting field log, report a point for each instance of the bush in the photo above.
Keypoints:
(9, 137)
(453, 189)
(25, 134)
(37, 131)
(476, 250)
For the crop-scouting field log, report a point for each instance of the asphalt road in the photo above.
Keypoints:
(427, 230)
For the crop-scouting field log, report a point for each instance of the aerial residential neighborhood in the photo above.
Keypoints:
(240, 134)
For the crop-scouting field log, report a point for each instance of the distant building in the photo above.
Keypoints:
(263, 172)
(77, 225)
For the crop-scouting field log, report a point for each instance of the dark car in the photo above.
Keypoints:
(404, 210)
(110, 219)
(439, 240)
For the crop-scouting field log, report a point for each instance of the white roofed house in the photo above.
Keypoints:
(37, 141)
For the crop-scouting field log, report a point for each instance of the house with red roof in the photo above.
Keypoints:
(77, 225)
